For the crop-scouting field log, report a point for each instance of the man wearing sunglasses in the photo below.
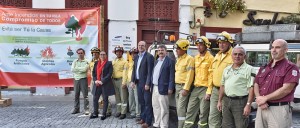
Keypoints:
(199, 98)
(95, 53)
(134, 106)
(80, 68)
(220, 62)
(184, 77)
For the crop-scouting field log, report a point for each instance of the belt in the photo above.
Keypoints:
(278, 103)
(180, 84)
(216, 87)
(199, 86)
(236, 97)
(117, 78)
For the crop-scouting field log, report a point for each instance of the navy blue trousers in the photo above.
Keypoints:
(145, 100)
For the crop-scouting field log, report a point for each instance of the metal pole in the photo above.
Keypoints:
(0, 93)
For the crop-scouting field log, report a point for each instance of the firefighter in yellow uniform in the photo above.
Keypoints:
(220, 62)
(95, 53)
(134, 107)
(119, 64)
(199, 98)
(184, 76)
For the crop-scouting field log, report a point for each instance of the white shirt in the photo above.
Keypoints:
(156, 71)
(138, 64)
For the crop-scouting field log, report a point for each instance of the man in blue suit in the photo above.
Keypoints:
(141, 76)
(163, 84)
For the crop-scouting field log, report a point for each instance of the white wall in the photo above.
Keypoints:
(58, 4)
(123, 9)
(184, 17)
(118, 31)
(122, 25)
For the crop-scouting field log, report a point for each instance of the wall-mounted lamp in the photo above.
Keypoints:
(195, 23)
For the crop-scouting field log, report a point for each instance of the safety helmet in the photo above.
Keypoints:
(182, 44)
(224, 36)
(203, 40)
(119, 48)
(133, 50)
(95, 50)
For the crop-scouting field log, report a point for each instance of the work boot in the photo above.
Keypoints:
(108, 114)
(75, 111)
(131, 117)
(117, 114)
(123, 116)
(86, 112)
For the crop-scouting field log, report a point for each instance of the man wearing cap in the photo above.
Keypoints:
(141, 77)
(220, 62)
(199, 98)
(119, 64)
(134, 106)
(274, 89)
(80, 68)
(184, 77)
(236, 91)
(95, 53)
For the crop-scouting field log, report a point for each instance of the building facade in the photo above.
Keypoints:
(128, 21)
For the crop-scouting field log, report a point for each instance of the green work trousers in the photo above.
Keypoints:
(181, 105)
(197, 102)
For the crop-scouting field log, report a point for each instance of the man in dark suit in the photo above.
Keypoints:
(163, 84)
(141, 76)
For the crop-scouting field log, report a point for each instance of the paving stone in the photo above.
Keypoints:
(54, 111)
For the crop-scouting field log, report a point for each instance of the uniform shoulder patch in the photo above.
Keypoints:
(294, 73)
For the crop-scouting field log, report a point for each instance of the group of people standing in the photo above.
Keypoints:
(220, 89)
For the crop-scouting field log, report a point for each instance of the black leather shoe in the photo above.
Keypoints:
(123, 116)
(75, 111)
(117, 115)
(94, 115)
(103, 117)
(108, 114)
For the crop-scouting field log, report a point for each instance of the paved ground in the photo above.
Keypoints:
(50, 108)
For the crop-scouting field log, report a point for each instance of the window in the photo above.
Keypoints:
(258, 58)
(192, 51)
(261, 58)
(294, 57)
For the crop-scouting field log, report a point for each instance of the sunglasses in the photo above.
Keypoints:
(198, 41)
(119, 49)
(221, 38)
